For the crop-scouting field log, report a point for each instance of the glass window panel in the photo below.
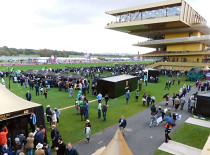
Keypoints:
(146, 14)
(178, 10)
(140, 16)
(164, 12)
(143, 15)
(150, 14)
(118, 18)
(133, 16)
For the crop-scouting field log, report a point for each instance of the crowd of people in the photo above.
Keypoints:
(37, 138)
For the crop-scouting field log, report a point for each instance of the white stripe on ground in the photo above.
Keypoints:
(74, 105)
(179, 149)
(198, 122)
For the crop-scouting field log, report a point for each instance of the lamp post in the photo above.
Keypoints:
(9, 77)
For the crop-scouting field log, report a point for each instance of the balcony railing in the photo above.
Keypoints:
(177, 40)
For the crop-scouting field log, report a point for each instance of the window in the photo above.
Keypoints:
(143, 15)
(178, 10)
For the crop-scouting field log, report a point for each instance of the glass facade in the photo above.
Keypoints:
(149, 14)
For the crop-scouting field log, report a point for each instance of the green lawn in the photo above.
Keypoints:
(39, 67)
(70, 126)
(191, 135)
(160, 152)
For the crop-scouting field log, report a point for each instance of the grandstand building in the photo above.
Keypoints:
(179, 34)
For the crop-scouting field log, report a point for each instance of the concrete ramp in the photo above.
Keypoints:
(179, 149)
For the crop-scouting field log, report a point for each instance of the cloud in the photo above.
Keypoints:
(70, 25)
(80, 11)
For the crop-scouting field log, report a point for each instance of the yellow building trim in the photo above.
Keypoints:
(185, 47)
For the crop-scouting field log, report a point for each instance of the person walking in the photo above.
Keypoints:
(54, 118)
(174, 117)
(140, 85)
(152, 122)
(61, 149)
(57, 112)
(77, 106)
(49, 114)
(99, 110)
(179, 80)
(159, 114)
(30, 143)
(168, 128)
(32, 121)
(87, 130)
(52, 134)
(71, 91)
(99, 97)
(45, 93)
(168, 112)
(41, 89)
(39, 150)
(137, 95)
(167, 100)
(176, 103)
(122, 124)
(104, 110)
(167, 85)
(148, 100)
(106, 97)
(152, 100)
(182, 102)
(37, 89)
(188, 88)
(3, 136)
(28, 96)
(87, 111)
(70, 150)
(174, 81)
(83, 110)
(47, 149)
(127, 96)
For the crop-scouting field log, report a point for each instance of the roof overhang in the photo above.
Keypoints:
(160, 32)
(144, 7)
(164, 42)
(176, 54)
(148, 25)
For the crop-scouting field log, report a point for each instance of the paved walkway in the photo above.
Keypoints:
(179, 149)
(198, 122)
(141, 139)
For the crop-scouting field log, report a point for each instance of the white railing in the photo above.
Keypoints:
(194, 38)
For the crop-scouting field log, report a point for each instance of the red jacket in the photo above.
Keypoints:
(3, 137)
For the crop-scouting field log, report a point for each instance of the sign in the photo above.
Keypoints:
(17, 113)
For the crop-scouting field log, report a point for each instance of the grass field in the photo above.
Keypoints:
(191, 135)
(54, 66)
(72, 128)
(70, 124)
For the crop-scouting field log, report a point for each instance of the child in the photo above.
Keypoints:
(77, 106)
(174, 117)
(137, 95)
(41, 89)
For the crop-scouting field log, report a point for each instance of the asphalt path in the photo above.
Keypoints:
(142, 139)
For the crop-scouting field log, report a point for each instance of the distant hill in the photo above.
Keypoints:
(42, 52)
(47, 53)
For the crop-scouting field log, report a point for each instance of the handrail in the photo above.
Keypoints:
(193, 38)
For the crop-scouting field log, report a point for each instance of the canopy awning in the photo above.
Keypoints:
(12, 105)
(117, 146)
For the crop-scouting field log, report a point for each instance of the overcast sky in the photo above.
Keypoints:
(76, 25)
